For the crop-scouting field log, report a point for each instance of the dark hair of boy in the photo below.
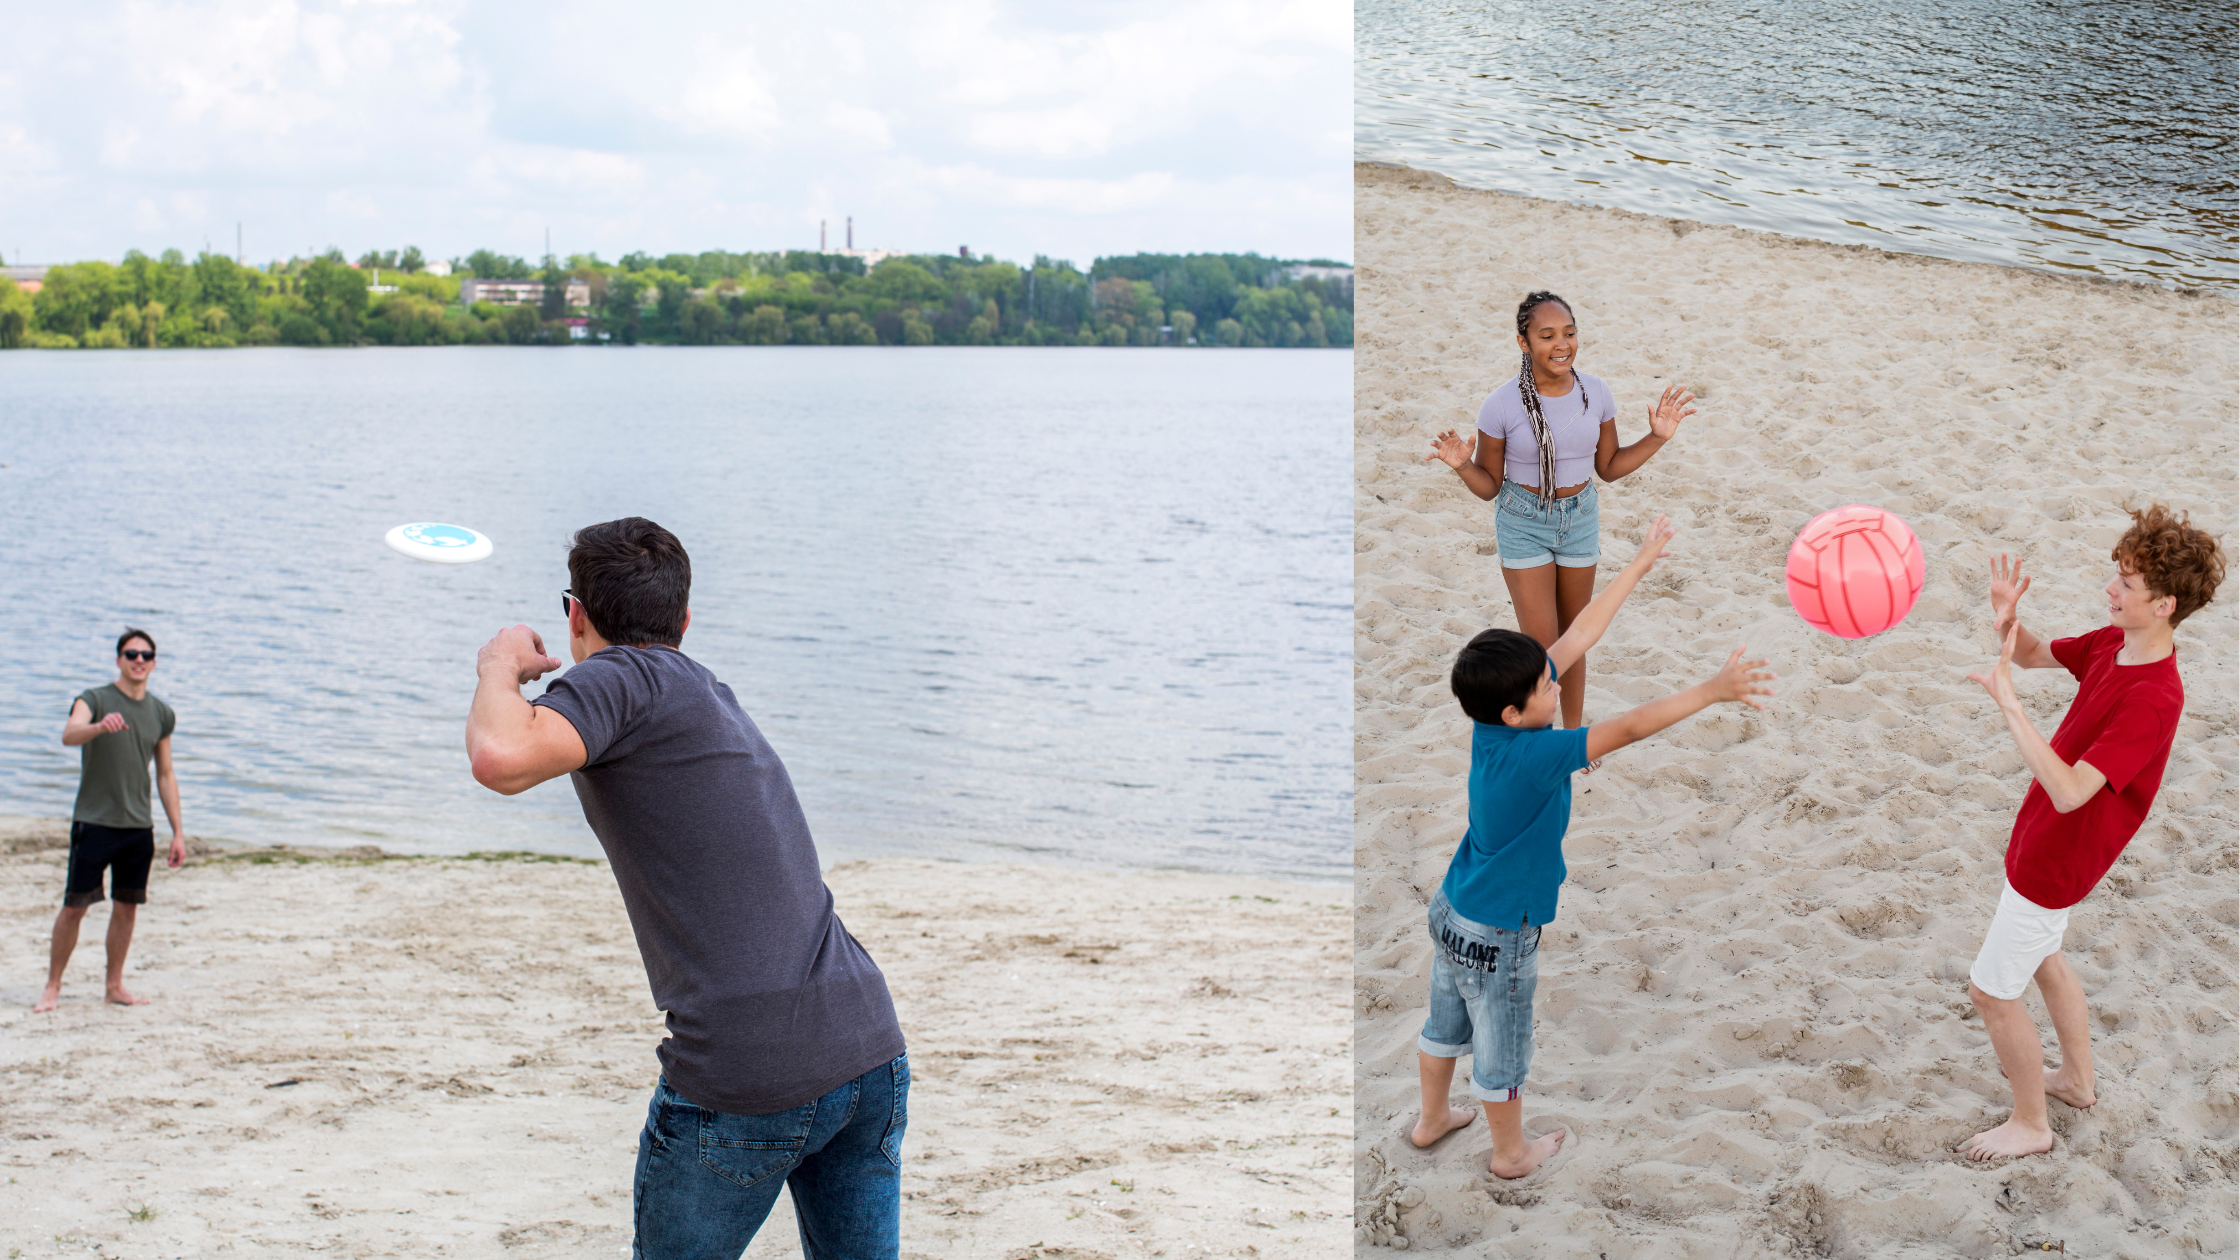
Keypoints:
(2172, 558)
(633, 579)
(1500, 669)
(130, 634)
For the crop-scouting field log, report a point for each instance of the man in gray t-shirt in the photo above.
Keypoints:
(119, 730)
(784, 1063)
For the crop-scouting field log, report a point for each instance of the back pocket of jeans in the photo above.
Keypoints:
(747, 1150)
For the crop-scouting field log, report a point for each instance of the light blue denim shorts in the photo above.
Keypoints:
(1482, 980)
(1567, 531)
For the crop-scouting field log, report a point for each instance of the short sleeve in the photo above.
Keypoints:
(2075, 654)
(596, 698)
(93, 703)
(1556, 754)
(1491, 421)
(170, 721)
(2137, 735)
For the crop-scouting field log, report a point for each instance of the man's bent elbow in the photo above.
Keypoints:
(499, 773)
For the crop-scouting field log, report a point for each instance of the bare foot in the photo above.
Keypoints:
(2010, 1138)
(1457, 1117)
(1536, 1152)
(47, 1001)
(2076, 1093)
(119, 995)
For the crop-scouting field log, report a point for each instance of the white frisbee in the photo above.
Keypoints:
(439, 544)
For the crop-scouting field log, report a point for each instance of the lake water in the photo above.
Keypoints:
(2088, 137)
(1083, 605)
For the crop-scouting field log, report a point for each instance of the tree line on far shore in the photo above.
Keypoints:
(713, 298)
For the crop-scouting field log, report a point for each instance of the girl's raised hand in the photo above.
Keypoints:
(1666, 413)
(1741, 680)
(1652, 545)
(1451, 450)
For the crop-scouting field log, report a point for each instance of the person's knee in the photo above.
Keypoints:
(72, 914)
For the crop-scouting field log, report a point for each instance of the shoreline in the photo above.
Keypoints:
(2230, 293)
(31, 833)
(444, 1056)
(1752, 1012)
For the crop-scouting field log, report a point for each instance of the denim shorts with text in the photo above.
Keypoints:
(1567, 531)
(1481, 1000)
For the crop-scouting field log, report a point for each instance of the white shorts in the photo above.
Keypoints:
(2023, 934)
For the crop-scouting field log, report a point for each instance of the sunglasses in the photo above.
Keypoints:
(135, 654)
(567, 598)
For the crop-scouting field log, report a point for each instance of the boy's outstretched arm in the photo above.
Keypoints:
(2067, 786)
(1586, 628)
(2007, 586)
(1739, 680)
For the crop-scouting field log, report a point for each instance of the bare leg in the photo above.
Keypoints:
(1574, 591)
(1513, 1155)
(1440, 1117)
(2014, 1037)
(58, 954)
(1532, 592)
(122, 915)
(2064, 996)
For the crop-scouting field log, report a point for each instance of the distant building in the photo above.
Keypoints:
(518, 292)
(1306, 271)
(438, 268)
(578, 328)
(28, 279)
(871, 257)
(377, 286)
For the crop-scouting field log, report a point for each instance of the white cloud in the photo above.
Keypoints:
(1064, 127)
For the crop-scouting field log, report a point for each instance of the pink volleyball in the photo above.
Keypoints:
(1855, 571)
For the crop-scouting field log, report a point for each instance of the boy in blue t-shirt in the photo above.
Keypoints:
(1500, 890)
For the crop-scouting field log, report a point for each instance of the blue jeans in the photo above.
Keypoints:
(707, 1179)
(1482, 980)
(1567, 531)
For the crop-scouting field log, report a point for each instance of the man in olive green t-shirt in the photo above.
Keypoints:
(120, 728)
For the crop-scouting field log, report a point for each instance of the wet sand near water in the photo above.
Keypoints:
(1753, 1010)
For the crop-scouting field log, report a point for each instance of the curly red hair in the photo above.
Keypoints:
(2172, 556)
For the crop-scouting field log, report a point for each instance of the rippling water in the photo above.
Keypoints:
(2093, 137)
(1090, 605)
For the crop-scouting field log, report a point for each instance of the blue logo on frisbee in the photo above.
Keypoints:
(439, 535)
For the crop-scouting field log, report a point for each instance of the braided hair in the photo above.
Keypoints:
(1534, 301)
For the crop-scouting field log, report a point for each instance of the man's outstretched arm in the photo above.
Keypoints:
(513, 745)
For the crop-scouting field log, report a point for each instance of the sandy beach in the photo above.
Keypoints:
(359, 1056)
(1752, 1011)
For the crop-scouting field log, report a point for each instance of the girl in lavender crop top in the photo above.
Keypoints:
(1583, 439)
(1575, 420)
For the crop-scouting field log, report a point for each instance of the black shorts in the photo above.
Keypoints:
(127, 851)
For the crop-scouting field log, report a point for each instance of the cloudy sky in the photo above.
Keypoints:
(1071, 128)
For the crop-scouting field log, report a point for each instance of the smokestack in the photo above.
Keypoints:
(820, 237)
(851, 231)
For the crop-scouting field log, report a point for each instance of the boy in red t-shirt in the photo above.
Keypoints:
(2094, 782)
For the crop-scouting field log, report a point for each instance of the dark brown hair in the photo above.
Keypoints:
(130, 634)
(2172, 558)
(634, 581)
